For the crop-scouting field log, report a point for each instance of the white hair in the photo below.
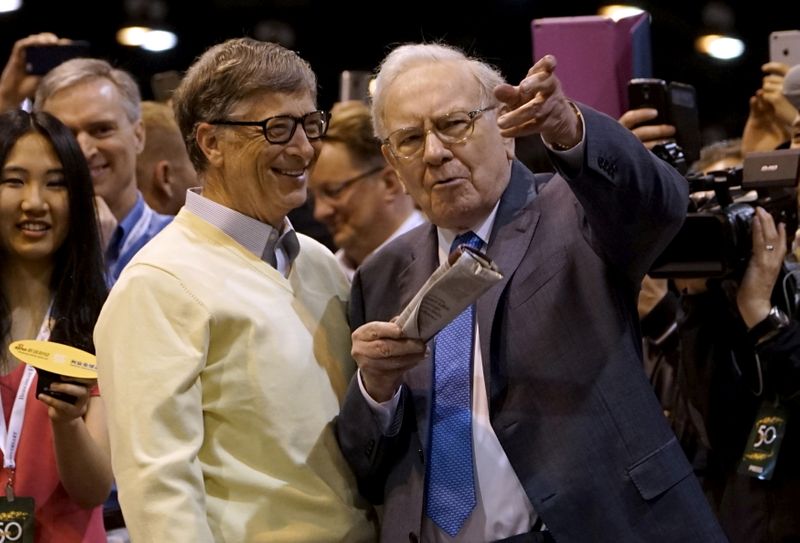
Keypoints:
(405, 57)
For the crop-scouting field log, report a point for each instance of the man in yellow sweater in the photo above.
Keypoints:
(224, 346)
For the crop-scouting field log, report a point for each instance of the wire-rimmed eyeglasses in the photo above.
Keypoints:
(280, 128)
(334, 191)
(452, 128)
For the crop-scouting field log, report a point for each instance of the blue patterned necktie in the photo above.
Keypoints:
(451, 481)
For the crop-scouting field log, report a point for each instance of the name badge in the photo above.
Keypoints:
(761, 455)
(16, 520)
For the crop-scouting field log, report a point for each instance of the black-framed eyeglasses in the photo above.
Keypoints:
(280, 128)
(334, 191)
(455, 127)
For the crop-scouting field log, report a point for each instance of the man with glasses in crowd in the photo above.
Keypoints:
(529, 418)
(102, 106)
(224, 343)
(357, 196)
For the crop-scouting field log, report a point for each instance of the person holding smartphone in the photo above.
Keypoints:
(51, 287)
(30, 59)
(769, 123)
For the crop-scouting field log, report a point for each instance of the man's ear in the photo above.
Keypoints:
(393, 163)
(162, 181)
(509, 144)
(394, 187)
(208, 141)
(139, 136)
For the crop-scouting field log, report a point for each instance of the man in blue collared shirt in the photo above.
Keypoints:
(101, 105)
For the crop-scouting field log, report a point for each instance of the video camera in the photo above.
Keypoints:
(716, 240)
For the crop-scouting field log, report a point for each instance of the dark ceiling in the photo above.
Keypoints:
(337, 35)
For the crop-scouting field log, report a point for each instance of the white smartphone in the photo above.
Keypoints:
(784, 46)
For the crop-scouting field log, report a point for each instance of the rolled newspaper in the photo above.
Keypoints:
(454, 286)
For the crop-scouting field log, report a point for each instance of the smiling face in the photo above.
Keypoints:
(94, 111)
(355, 213)
(252, 176)
(34, 201)
(455, 185)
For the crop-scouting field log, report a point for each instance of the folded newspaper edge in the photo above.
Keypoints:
(454, 286)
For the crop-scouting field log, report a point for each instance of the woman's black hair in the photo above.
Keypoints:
(78, 283)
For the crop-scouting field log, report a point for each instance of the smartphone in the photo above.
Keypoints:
(676, 104)
(46, 378)
(784, 46)
(40, 59)
(163, 84)
(651, 93)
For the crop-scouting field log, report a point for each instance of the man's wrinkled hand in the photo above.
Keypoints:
(383, 356)
(538, 106)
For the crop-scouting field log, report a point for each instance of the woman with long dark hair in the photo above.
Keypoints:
(51, 288)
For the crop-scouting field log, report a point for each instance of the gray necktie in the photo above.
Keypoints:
(288, 242)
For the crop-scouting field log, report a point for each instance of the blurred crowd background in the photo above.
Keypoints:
(354, 35)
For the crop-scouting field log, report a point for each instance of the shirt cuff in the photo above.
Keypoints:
(384, 411)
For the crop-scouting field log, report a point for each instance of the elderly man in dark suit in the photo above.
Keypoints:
(528, 418)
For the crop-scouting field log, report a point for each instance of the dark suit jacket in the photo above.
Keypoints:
(569, 401)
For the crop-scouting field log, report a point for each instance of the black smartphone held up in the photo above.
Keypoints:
(649, 93)
(676, 104)
(40, 59)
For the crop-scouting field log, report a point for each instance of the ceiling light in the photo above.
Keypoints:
(147, 38)
(720, 47)
(159, 40)
(10, 5)
(619, 11)
(132, 36)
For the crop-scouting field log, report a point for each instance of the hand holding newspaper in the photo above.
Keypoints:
(453, 287)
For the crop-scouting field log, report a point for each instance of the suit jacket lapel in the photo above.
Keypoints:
(424, 259)
(511, 236)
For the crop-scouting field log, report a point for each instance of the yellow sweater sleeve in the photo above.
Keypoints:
(152, 337)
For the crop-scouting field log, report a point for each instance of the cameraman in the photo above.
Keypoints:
(736, 354)
(735, 360)
(733, 353)
(717, 353)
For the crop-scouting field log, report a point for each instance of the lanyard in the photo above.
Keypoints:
(9, 436)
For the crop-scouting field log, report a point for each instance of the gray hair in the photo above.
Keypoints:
(408, 56)
(79, 70)
(230, 72)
